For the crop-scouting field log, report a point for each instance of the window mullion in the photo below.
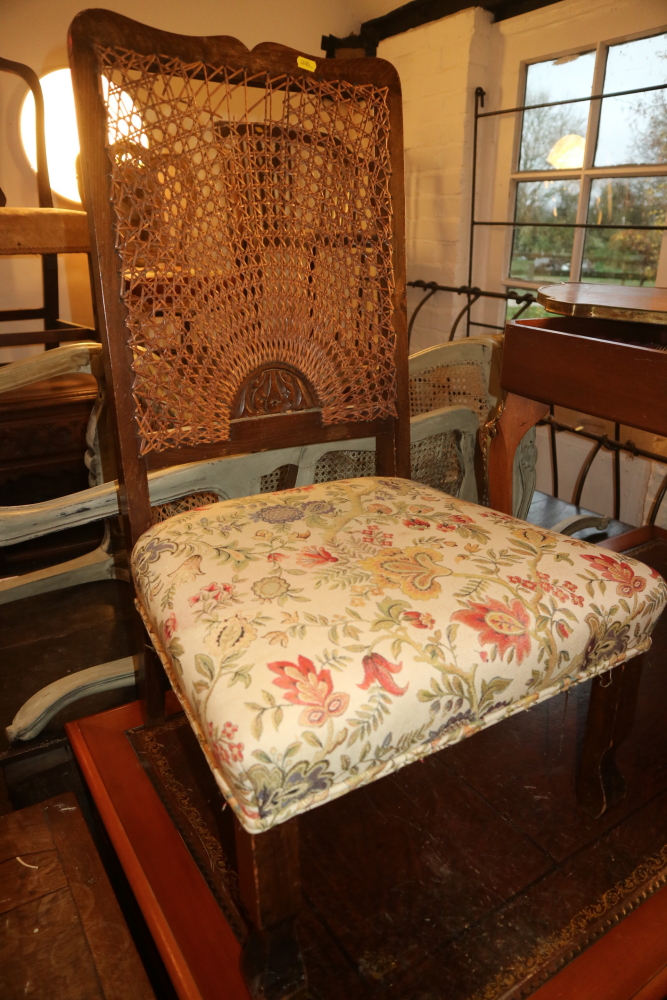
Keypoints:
(589, 157)
(580, 234)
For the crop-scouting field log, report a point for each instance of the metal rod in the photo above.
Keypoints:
(567, 225)
(659, 497)
(573, 100)
(585, 469)
(617, 476)
(473, 294)
(467, 290)
(466, 309)
(554, 456)
(415, 313)
(606, 442)
(479, 102)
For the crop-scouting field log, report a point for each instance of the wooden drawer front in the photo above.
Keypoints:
(622, 382)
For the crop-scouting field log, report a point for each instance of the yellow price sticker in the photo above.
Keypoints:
(304, 63)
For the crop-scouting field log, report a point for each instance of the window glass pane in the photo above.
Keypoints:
(624, 256)
(534, 311)
(543, 251)
(633, 129)
(554, 138)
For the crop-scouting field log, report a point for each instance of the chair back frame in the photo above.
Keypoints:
(92, 31)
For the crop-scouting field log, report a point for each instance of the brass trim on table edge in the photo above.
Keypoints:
(650, 875)
(586, 310)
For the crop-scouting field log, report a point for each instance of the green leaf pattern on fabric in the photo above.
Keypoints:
(322, 637)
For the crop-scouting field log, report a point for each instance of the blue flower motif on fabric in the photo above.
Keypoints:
(280, 514)
(283, 513)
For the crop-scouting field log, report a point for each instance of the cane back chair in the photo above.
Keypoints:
(246, 213)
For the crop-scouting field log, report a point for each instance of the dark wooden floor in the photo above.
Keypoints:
(443, 876)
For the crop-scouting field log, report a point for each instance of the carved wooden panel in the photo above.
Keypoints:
(273, 389)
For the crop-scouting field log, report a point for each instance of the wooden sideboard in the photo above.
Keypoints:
(42, 448)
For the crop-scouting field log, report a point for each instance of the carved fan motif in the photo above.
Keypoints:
(273, 389)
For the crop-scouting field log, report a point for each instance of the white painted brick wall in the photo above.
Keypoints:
(440, 64)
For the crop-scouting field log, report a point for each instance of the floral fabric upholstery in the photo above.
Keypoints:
(322, 637)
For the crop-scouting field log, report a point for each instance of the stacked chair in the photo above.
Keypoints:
(246, 220)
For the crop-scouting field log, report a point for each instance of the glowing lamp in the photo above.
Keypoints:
(62, 137)
(567, 153)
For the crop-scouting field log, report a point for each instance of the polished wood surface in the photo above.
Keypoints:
(578, 363)
(518, 415)
(197, 944)
(63, 931)
(616, 302)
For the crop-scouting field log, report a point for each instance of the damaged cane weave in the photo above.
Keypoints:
(253, 221)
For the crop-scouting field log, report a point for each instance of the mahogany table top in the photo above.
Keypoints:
(619, 302)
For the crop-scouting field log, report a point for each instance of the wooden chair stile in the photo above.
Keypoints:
(288, 329)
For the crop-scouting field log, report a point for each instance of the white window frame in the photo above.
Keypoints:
(585, 174)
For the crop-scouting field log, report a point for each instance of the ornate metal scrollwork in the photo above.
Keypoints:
(273, 389)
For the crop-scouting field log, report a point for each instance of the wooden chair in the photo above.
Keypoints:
(246, 213)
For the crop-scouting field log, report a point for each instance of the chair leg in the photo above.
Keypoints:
(611, 712)
(152, 684)
(268, 865)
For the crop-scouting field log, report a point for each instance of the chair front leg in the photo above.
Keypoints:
(611, 712)
(268, 865)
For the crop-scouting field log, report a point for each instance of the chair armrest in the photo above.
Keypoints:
(32, 520)
(229, 477)
(78, 357)
(43, 230)
(445, 418)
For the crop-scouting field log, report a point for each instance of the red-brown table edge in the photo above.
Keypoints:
(196, 943)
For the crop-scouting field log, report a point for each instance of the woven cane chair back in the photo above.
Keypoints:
(467, 373)
(460, 374)
(253, 200)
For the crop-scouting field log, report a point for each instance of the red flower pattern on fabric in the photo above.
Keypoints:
(305, 686)
(224, 751)
(419, 619)
(618, 572)
(377, 670)
(170, 626)
(416, 522)
(315, 557)
(501, 625)
(211, 592)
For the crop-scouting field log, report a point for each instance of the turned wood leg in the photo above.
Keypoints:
(611, 712)
(518, 416)
(268, 865)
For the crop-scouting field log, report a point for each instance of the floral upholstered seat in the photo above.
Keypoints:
(322, 637)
